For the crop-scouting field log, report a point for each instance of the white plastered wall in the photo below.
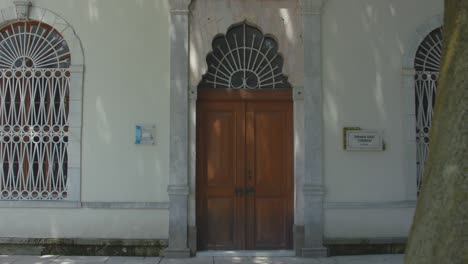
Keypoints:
(363, 46)
(126, 82)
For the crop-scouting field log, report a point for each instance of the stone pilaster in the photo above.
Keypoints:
(178, 189)
(192, 232)
(312, 188)
(298, 229)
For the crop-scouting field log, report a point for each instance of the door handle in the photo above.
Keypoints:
(250, 191)
(239, 191)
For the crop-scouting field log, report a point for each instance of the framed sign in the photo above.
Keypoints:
(363, 140)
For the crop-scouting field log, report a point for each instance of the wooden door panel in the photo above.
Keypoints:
(270, 223)
(220, 222)
(269, 150)
(220, 170)
(247, 144)
(219, 139)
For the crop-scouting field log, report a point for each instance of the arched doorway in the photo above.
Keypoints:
(244, 167)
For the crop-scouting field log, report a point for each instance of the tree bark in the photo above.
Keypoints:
(440, 226)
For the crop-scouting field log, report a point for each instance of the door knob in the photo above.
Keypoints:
(250, 191)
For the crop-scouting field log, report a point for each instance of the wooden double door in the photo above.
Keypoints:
(244, 170)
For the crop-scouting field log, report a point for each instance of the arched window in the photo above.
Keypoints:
(427, 66)
(34, 109)
(244, 58)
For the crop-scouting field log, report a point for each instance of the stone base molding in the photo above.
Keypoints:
(177, 253)
(314, 252)
(178, 216)
(82, 246)
(365, 246)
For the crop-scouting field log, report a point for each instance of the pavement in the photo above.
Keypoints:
(365, 259)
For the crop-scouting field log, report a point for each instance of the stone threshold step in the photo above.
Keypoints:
(246, 253)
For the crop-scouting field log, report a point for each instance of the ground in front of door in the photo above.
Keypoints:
(367, 259)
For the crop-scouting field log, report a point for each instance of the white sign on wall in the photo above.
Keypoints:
(364, 140)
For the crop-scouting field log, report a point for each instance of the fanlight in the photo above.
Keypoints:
(429, 53)
(244, 58)
(30, 44)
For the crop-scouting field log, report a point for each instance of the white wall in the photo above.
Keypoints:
(126, 81)
(363, 45)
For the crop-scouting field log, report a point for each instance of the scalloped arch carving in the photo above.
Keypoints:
(244, 58)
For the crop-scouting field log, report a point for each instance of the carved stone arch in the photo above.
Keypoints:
(24, 11)
(244, 58)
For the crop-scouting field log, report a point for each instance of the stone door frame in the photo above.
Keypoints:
(308, 139)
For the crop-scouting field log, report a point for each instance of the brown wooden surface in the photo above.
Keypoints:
(220, 170)
(246, 144)
(244, 95)
(269, 159)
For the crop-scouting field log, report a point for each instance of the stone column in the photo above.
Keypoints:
(313, 189)
(178, 188)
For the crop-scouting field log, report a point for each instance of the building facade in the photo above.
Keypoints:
(78, 77)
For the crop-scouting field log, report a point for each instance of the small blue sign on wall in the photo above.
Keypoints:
(137, 134)
(144, 134)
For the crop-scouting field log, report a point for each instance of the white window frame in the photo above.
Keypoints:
(24, 10)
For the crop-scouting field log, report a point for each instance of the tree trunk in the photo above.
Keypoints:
(440, 226)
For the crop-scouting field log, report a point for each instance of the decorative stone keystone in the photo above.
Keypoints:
(22, 9)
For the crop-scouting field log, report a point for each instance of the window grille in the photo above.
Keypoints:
(244, 58)
(427, 66)
(34, 108)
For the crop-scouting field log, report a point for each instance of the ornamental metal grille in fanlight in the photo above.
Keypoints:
(427, 66)
(244, 58)
(34, 94)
